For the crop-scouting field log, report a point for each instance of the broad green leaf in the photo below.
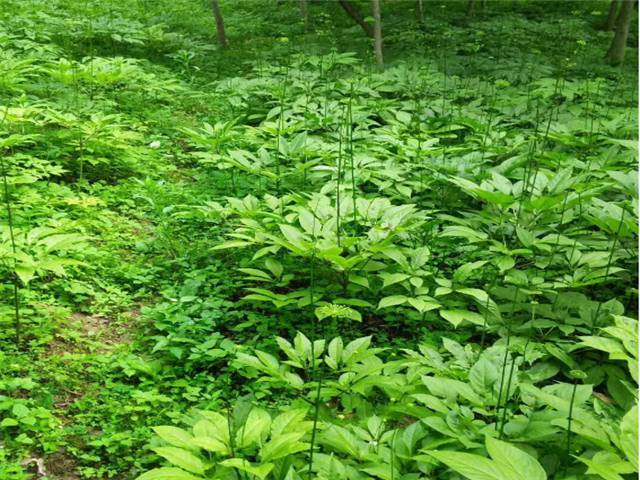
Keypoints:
(254, 272)
(607, 465)
(175, 436)
(495, 197)
(25, 273)
(382, 471)
(334, 351)
(309, 223)
(560, 181)
(502, 183)
(465, 271)
(214, 425)
(268, 360)
(629, 436)
(423, 304)
(513, 462)
(282, 445)
(456, 317)
(483, 375)
(274, 267)
(560, 355)
(505, 263)
(181, 458)
(211, 444)
(473, 467)
(294, 236)
(9, 422)
(525, 237)
(290, 421)
(254, 428)
(465, 232)
(337, 311)
(609, 345)
(451, 388)
(420, 256)
(260, 471)
(340, 439)
(456, 350)
(20, 410)
(396, 255)
(391, 301)
(585, 424)
(63, 241)
(167, 473)
(358, 280)
(480, 295)
(205, 428)
(232, 244)
(392, 278)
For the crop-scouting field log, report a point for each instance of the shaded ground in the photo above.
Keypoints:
(84, 335)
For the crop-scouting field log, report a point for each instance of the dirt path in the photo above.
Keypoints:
(82, 336)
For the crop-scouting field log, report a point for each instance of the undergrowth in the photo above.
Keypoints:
(277, 261)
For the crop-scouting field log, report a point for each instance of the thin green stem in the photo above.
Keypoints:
(338, 182)
(506, 356)
(486, 312)
(16, 286)
(353, 168)
(314, 327)
(609, 262)
(570, 418)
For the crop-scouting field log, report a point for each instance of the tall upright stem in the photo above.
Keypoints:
(504, 359)
(570, 418)
(16, 287)
(353, 169)
(314, 328)
(338, 181)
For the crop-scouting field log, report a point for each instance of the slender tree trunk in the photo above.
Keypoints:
(357, 16)
(377, 32)
(615, 54)
(304, 13)
(471, 7)
(420, 12)
(222, 37)
(611, 17)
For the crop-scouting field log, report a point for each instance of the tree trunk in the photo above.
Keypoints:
(420, 13)
(377, 32)
(615, 54)
(222, 37)
(304, 13)
(611, 17)
(357, 16)
(471, 7)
